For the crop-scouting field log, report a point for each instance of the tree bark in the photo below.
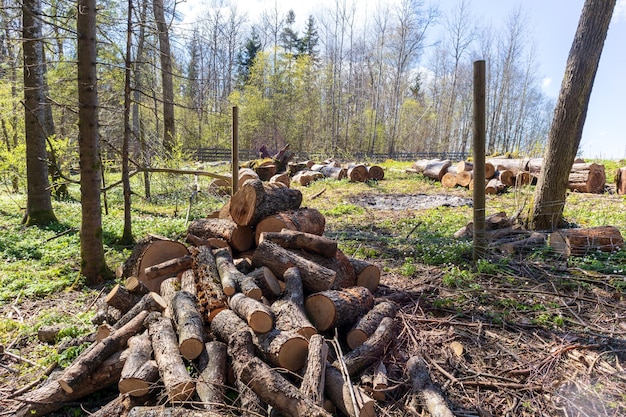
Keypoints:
(340, 391)
(293, 239)
(266, 281)
(357, 173)
(367, 325)
(270, 386)
(314, 376)
(345, 276)
(306, 177)
(232, 279)
(161, 411)
(258, 316)
(255, 200)
(571, 111)
(305, 220)
(211, 297)
(587, 178)
(289, 310)
(282, 178)
(436, 170)
(168, 268)
(240, 238)
(211, 384)
(334, 308)
(139, 372)
(422, 386)
(189, 325)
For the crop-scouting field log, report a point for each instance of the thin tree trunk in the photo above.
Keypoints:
(169, 127)
(570, 113)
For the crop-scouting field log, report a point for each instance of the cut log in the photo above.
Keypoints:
(168, 268)
(587, 178)
(282, 178)
(289, 310)
(448, 180)
(161, 411)
(463, 178)
(258, 316)
(104, 330)
(188, 282)
(270, 386)
(306, 220)
(375, 172)
(357, 173)
(372, 349)
(464, 166)
(620, 181)
(210, 295)
(122, 299)
(490, 170)
(534, 166)
(436, 170)
(506, 177)
(150, 251)
(580, 242)
(232, 279)
(266, 281)
(135, 286)
(265, 172)
(240, 238)
(420, 165)
(345, 276)
(306, 177)
(292, 239)
(189, 325)
(51, 397)
(423, 388)
(343, 395)
(314, 277)
(246, 174)
(334, 308)
(318, 167)
(211, 384)
(526, 244)
(315, 370)
(255, 201)
(367, 325)
(523, 178)
(177, 382)
(169, 287)
(337, 173)
(139, 372)
(75, 374)
(48, 334)
(294, 167)
(367, 274)
(494, 186)
(220, 186)
(380, 382)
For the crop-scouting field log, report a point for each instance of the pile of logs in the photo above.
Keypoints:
(238, 321)
(501, 173)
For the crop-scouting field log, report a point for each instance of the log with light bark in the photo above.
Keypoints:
(266, 281)
(306, 220)
(464, 178)
(122, 299)
(345, 276)
(420, 165)
(140, 372)
(494, 186)
(211, 383)
(345, 396)
(306, 177)
(464, 166)
(580, 242)
(83, 366)
(240, 238)
(367, 274)
(246, 174)
(314, 373)
(620, 181)
(511, 164)
(587, 178)
(336, 308)
(367, 325)
(285, 349)
(494, 221)
(189, 325)
(162, 411)
(210, 295)
(314, 277)
(179, 386)
(293, 239)
(357, 173)
(168, 268)
(135, 286)
(318, 167)
(259, 317)
(506, 177)
(375, 172)
(270, 386)
(256, 200)
(337, 173)
(436, 170)
(51, 397)
(380, 382)
(188, 282)
(448, 180)
(169, 287)
(232, 279)
(150, 251)
(289, 309)
(424, 392)
(372, 349)
(282, 178)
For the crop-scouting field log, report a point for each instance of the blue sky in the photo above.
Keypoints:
(553, 24)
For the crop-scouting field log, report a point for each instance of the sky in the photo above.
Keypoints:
(553, 25)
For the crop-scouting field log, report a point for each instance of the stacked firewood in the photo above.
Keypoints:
(238, 322)
(502, 173)
(304, 173)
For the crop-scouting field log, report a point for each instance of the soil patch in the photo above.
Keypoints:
(409, 201)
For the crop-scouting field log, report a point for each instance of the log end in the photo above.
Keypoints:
(307, 332)
(65, 386)
(321, 310)
(356, 338)
(190, 349)
(134, 387)
(254, 293)
(369, 278)
(293, 353)
(182, 391)
(261, 322)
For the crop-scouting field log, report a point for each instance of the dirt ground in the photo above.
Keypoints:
(540, 339)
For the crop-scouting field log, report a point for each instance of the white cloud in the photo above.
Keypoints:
(619, 14)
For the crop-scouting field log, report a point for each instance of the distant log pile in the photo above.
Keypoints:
(236, 316)
(502, 173)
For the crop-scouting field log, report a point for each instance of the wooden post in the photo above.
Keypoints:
(480, 244)
(235, 152)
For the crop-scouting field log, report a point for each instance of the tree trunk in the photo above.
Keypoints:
(39, 202)
(305, 220)
(306, 177)
(189, 325)
(345, 276)
(258, 316)
(448, 180)
(376, 173)
(270, 386)
(367, 325)
(169, 122)
(357, 173)
(436, 170)
(335, 308)
(93, 265)
(255, 200)
(337, 173)
(240, 238)
(463, 178)
(580, 242)
(571, 111)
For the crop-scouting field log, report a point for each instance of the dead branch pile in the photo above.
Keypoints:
(291, 326)
(502, 173)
